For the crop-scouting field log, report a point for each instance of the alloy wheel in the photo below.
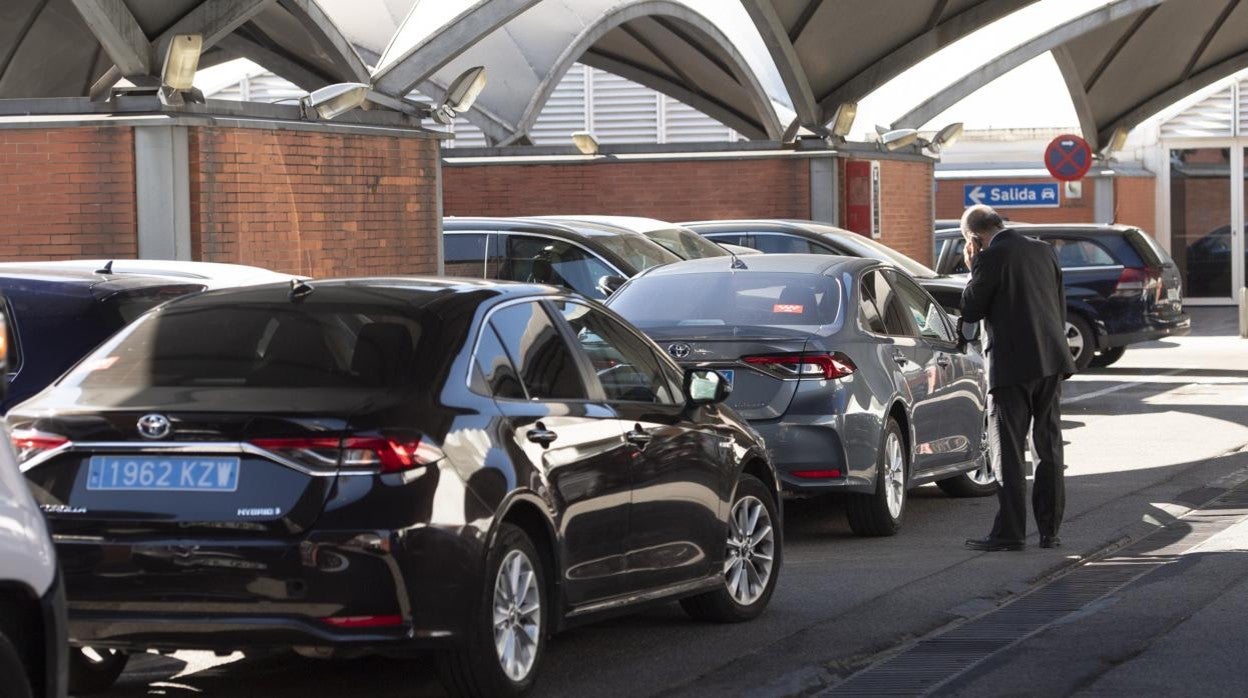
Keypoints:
(983, 475)
(1075, 340)
(894, 475)
(751, 550)
(517, 615)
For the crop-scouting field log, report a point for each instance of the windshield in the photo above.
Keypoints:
(686, 243)
(256, 345)
(637, 250)
(730, 299)
(862, 246)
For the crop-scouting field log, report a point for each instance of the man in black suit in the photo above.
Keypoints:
(1016, 287)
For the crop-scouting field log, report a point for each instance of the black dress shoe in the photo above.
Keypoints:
(1050, 541)
(992, 545)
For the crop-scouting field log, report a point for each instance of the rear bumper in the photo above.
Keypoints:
(805, 443)
(1154, 328)
(417, 587)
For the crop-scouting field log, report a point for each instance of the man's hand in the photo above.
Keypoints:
(971, 249)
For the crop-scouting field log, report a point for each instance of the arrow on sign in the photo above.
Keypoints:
(977, 194)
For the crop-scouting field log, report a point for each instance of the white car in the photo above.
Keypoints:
(211, 274)
(33, 649)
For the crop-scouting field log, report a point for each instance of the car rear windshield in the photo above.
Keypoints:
(123, 307)
(257, 345)
(637, 250)
(686, 243)
(1155, 255)
(730, 299)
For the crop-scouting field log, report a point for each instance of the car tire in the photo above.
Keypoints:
(90, 675)
(980, 482)
(880, 513)
(15, 684)
(741, 597)
(478, 668)
(1081, 341)
(1107, 357)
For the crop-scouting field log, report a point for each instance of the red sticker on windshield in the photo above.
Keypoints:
(788, 308)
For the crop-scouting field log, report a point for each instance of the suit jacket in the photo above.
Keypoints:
(1016, 286)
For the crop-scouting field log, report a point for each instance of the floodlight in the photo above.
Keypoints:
(334, 100)
(460, 95)
(946, 136)
(181, 61)
(843, 119)
(585, 142)
(899, 138)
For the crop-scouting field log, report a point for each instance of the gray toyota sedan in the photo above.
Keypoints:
(851, 372)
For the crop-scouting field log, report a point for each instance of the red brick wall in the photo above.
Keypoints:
(66, 192)
(321, 204)
(949, 200)
(1135, 201)
(905, 206)
(671, 190)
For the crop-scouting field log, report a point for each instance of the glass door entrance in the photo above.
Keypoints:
(1207, 219)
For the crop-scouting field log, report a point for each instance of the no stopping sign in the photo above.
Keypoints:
(1068, 158)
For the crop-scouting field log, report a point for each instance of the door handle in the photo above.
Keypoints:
(541, 435)
(638, 436)
(900, 358)
(942, 361)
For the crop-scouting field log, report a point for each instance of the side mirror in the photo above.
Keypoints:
(704, 386)
(610, 284)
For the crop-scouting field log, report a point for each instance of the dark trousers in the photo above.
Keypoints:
(1011, 409)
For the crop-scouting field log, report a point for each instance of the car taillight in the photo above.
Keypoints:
(1136, 283)
(29, 443)
(805, 364)
(383, 453)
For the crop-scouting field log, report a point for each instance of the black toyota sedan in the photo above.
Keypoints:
(388, 465)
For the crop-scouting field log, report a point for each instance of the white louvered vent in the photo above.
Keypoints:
(684, 124)
(1211, 117)
(564, 113)
(262, 87)
(622, 111)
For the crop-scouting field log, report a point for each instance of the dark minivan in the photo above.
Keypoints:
(587, 257)
(1121, 286)
(390, 465)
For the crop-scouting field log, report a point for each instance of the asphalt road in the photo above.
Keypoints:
(1149, 439)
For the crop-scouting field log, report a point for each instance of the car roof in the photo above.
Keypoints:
(569, 228)
(210, 274)
(441, 285)
(791, 263)
(55, 274)
(786, 224)
(636, 224)
(1080, 228)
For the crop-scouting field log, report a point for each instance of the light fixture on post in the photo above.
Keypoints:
(946, 137)
(899, 138)
(334, 100)
(585, 142)
(181, 62)
(460, 95)
(843, 120)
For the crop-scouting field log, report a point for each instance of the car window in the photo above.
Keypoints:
(868, 314)
(544, 362)
(888, 305)
(495, 374)
(686, 243)
(1072, 253)
(959, 245)
(625, 365)
(549, 261)
(739, 239)
(638, 250)
(730, 299)
(1148, 248)
(778, 243)
(463, 254)
(11, 341)
(926, 313)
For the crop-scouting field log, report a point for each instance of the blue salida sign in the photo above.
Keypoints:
(1043, 195)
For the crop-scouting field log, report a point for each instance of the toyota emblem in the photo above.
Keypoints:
(154, 426)
(679, 350)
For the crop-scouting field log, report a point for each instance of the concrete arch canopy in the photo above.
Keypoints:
(661, 44)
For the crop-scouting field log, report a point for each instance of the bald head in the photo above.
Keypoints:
(982, 222)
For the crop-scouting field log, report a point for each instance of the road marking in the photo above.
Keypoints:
(1116, 388)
